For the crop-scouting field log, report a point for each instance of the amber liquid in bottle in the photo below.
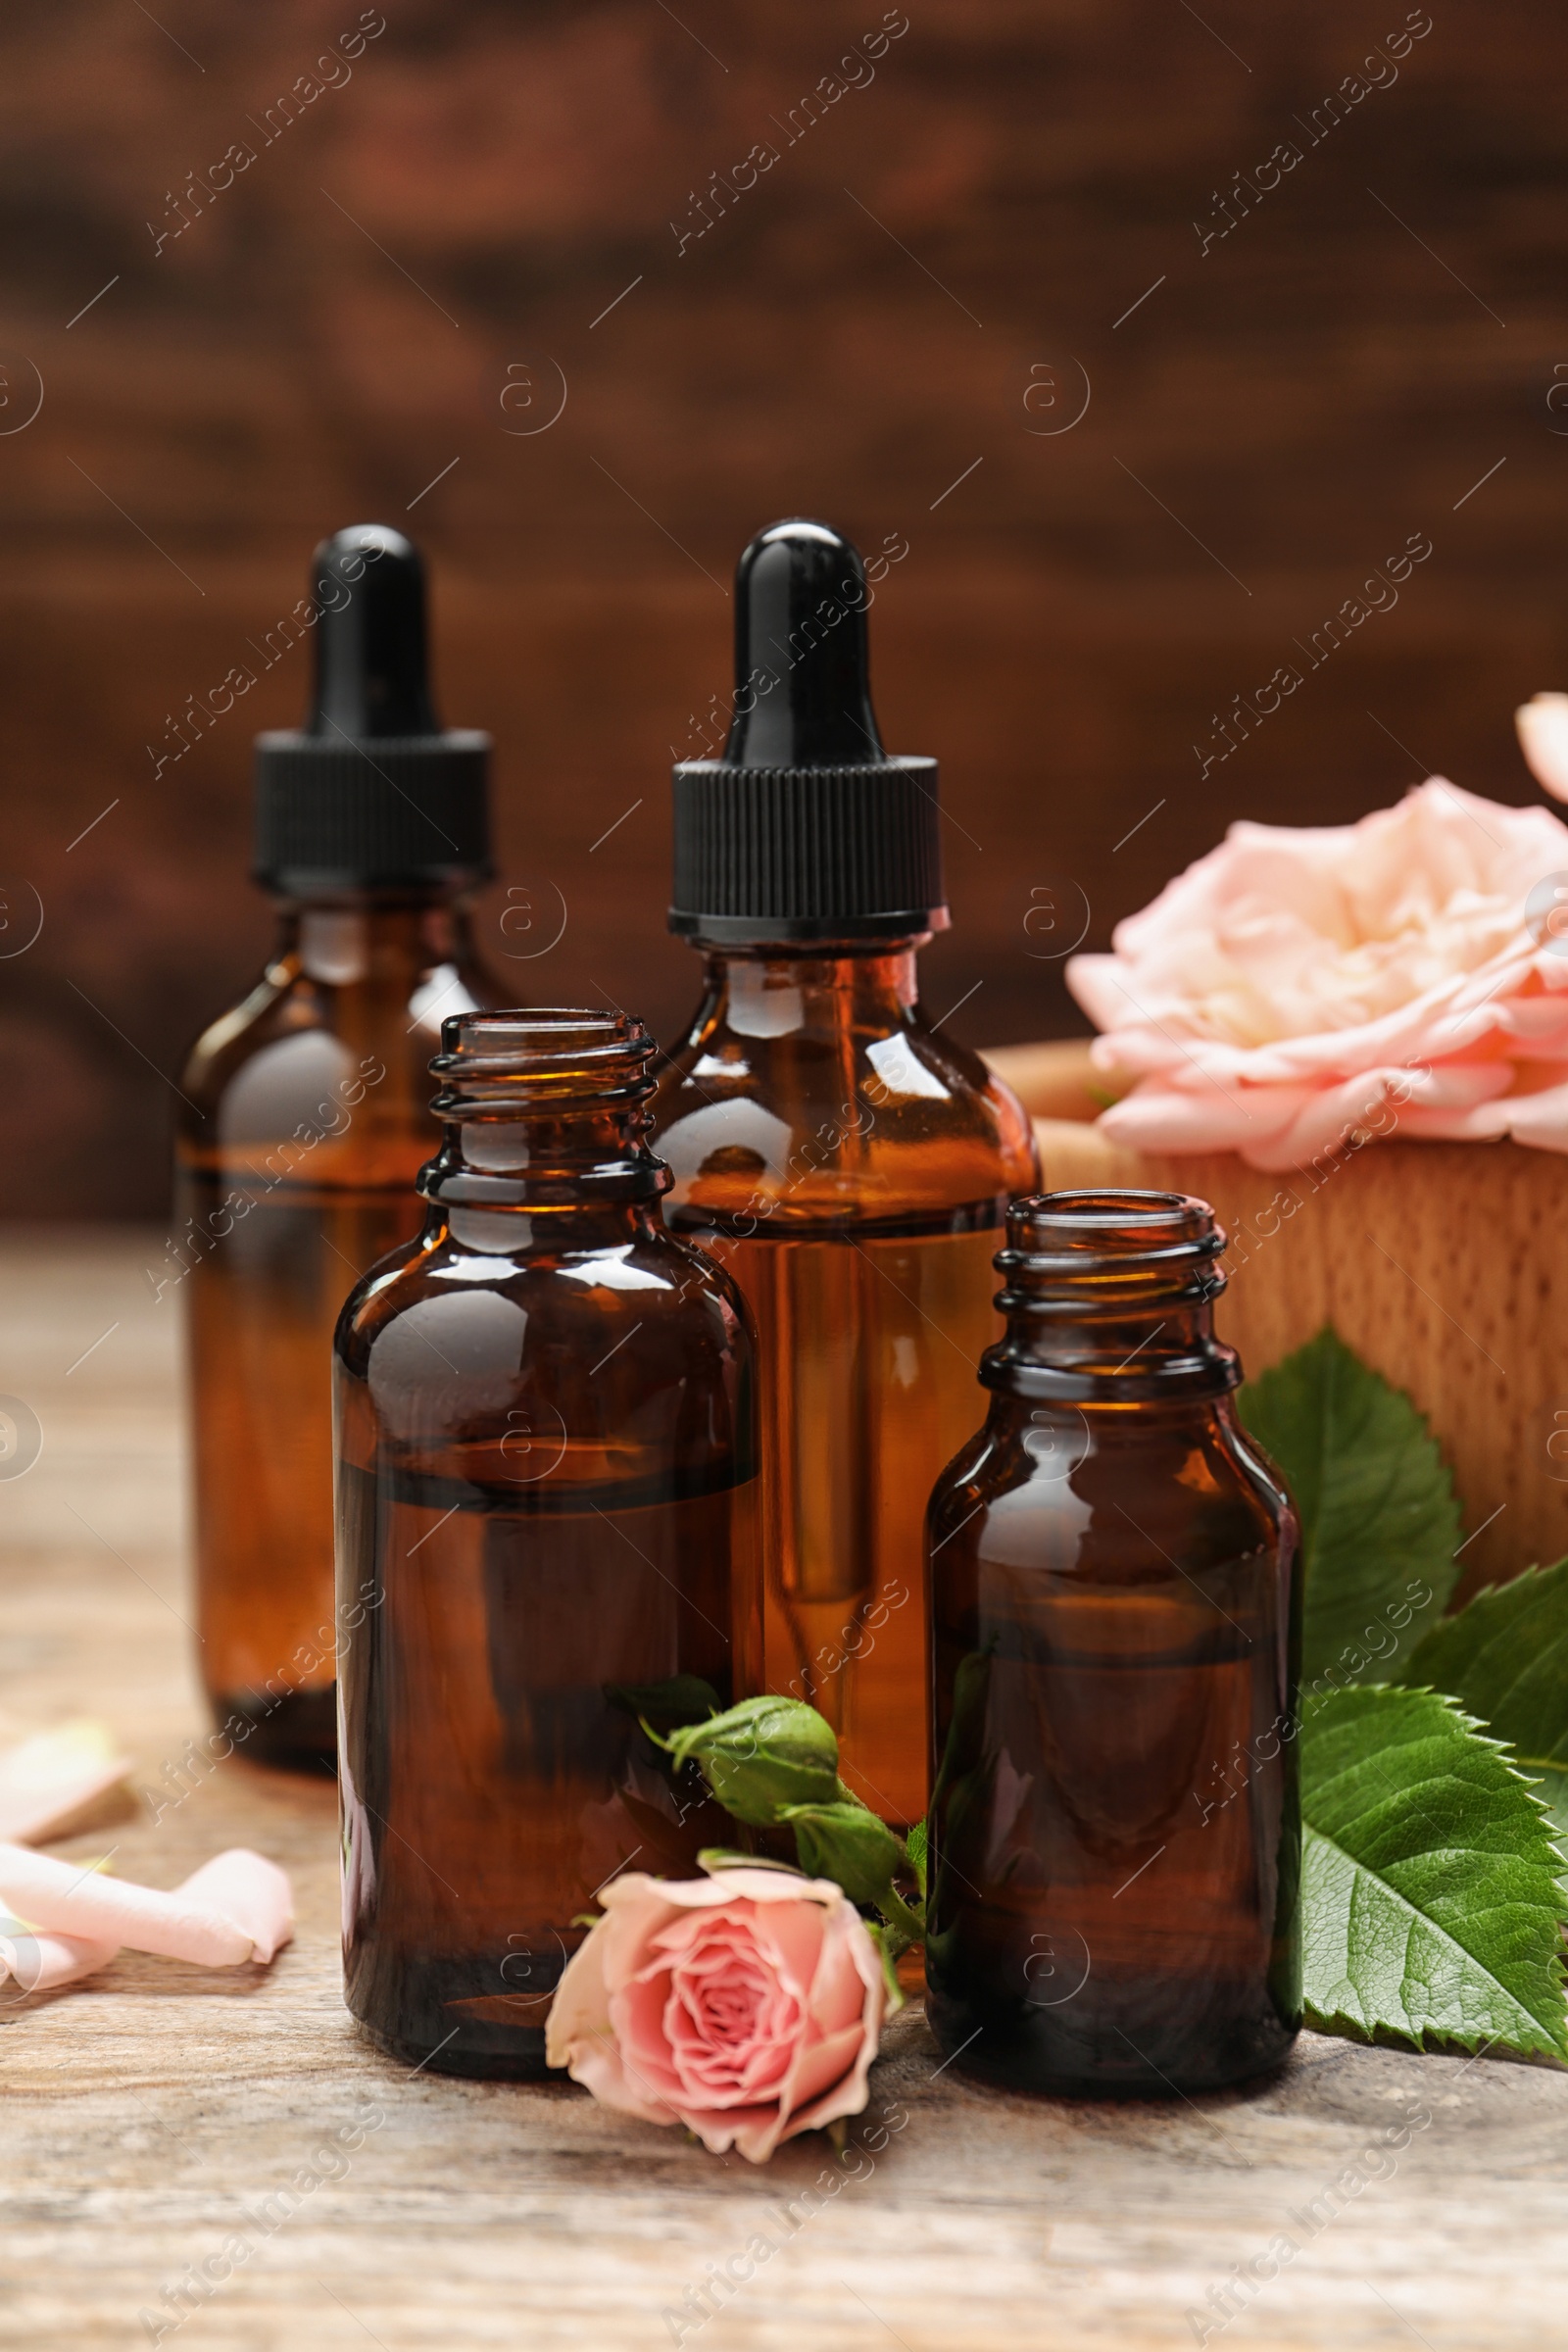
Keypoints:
(546, 1504)
(304, 1120)
(1114, 1826)
(308, 1121)
(851, 1165)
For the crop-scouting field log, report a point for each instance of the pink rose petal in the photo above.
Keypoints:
(49, 1779)
(250, 1893)
(41, 1963)
(248, 1919)
(578, 2034)
(1542, 726)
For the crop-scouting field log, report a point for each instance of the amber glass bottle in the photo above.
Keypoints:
(850, 1163)
(1114, 1828)
(545, 1506)
(306, 1121)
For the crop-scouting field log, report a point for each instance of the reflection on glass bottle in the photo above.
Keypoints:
(848, 1161)
(306, 1121)
(1114, 1828)
(546, 1484)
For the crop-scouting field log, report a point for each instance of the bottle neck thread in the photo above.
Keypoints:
(1108, 1299)
(543, 1110)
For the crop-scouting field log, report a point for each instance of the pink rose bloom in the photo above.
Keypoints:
(1407, 974)
(747, 2005)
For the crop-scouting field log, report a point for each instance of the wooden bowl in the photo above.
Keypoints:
(1444, 1265)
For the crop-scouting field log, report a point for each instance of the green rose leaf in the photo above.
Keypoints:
(915, 1845)
(1378, 1522)
(1505, 1658)
(1430, 1908)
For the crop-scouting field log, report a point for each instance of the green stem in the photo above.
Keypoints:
(902, 1917)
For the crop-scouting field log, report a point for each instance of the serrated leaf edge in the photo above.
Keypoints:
(1476, 1725)
(1430, 2038)
(1352, 2028)
(1537, 1569)
(1545, 2046)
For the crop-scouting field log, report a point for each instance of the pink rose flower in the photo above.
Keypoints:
(1407, 974)
(747, 2005)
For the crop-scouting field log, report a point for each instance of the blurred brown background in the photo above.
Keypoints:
(894, 328)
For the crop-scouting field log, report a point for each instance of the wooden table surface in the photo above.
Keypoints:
(154, 2118)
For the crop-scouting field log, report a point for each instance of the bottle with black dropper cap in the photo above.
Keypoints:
(848, 1161)
(306, 1119)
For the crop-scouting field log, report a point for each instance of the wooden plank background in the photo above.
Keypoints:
(158, 2112)
(1003, 216)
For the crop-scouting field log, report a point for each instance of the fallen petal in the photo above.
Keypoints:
(39, 1963)
(86, 1903)
(248, 1890)
(49, 1779)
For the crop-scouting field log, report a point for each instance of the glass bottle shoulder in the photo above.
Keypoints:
(1089, 1494)
(567, 1356)
(578, 1298)
(879, 1114)
(283, 1006)
(316, 1036)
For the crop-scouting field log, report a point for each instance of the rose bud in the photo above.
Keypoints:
(844, 1842)
(764, 1753)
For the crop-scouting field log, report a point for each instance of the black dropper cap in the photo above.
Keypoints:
(371, 793)
(805, 829)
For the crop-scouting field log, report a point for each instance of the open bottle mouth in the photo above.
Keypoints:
(1120, 1249)
(543, 1106)
(536, 1056)
(1107, 1294)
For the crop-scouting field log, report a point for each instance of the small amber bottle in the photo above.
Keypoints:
(545, 1508)
(1114, 1828)
(849, 1161)
(306, 1121)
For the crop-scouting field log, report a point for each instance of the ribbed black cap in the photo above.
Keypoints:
(805, 829)
(371, 793)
